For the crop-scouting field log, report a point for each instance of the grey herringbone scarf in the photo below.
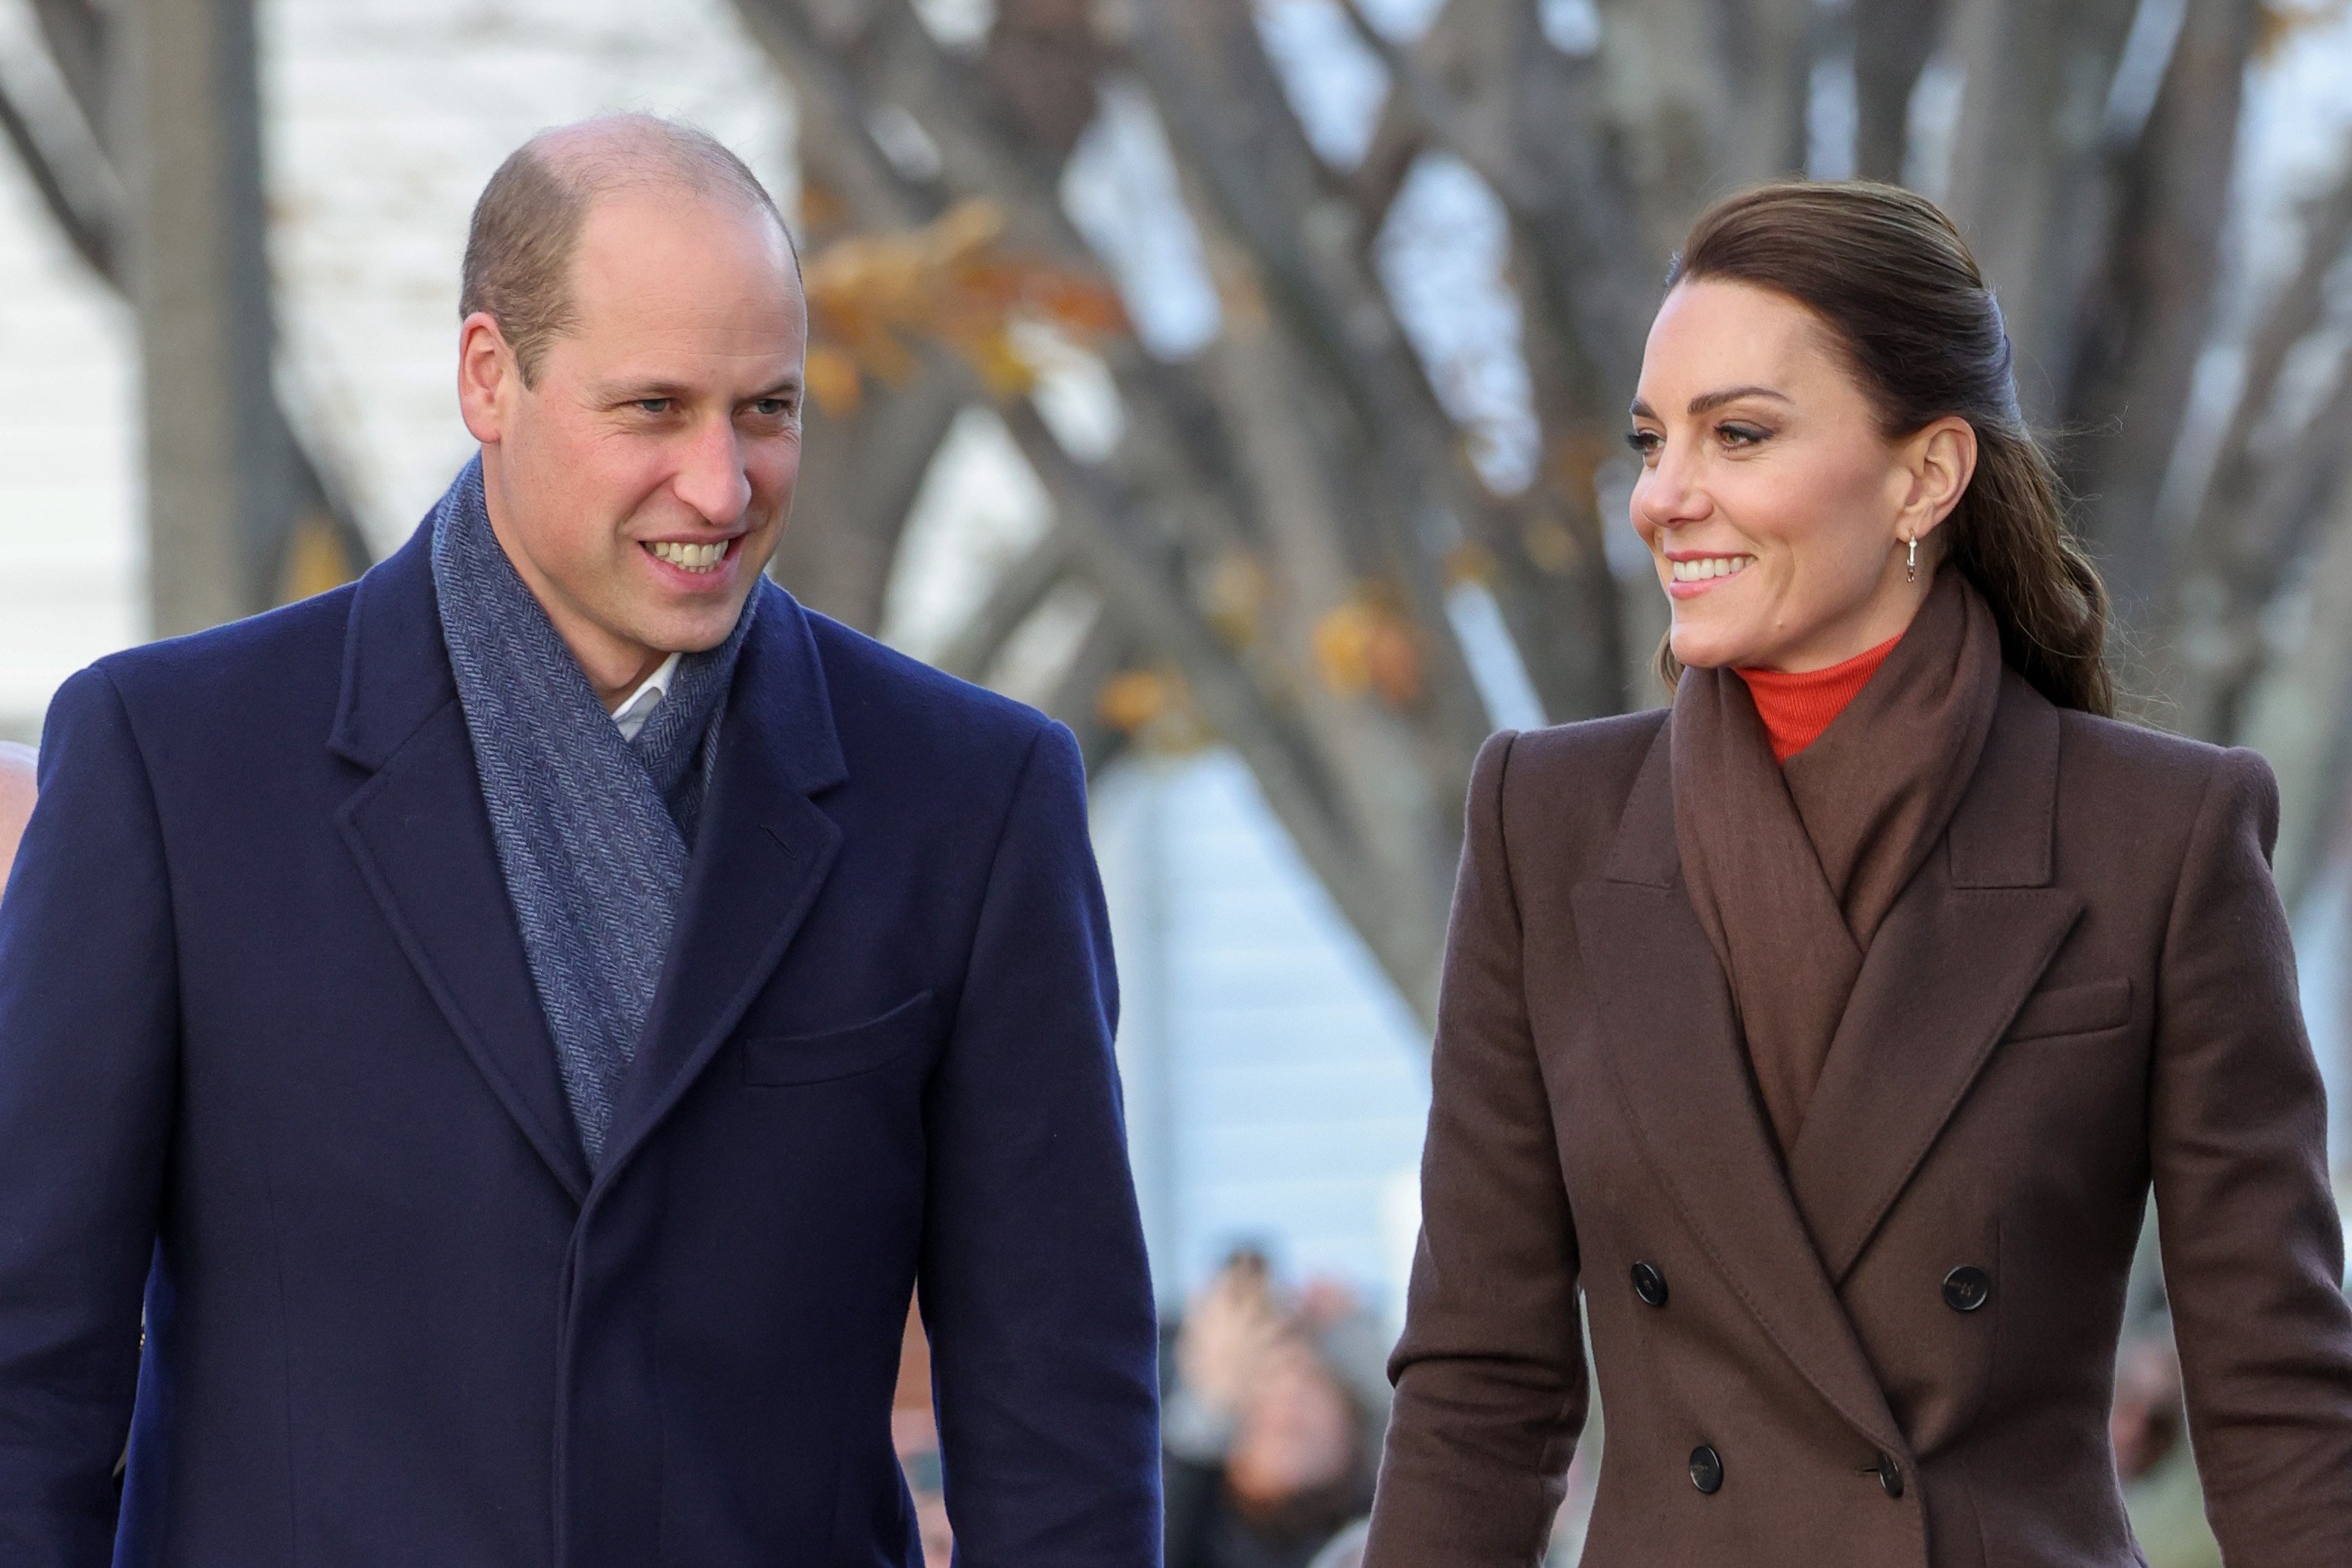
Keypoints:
(592, 830)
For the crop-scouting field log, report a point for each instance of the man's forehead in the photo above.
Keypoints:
(647, 228)
(682, 257)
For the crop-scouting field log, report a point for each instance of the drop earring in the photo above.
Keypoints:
(1911, 558)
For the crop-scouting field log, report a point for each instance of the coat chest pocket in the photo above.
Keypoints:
(778, 1060)
(2072, 1010)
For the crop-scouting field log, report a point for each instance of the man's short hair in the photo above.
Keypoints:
(526, 227)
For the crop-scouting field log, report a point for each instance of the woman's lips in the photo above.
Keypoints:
(1690, 576)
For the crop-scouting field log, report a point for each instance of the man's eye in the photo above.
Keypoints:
(771, 407)
(654, 404)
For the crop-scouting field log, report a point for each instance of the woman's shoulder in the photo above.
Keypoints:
(1591, 749)
(1562, 790)
(2154, 787)
(2154, 765)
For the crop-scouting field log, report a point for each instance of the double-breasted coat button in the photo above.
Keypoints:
(1649, 1284)
(1706, 1469)
(1890, 1475)
(1967, 1288)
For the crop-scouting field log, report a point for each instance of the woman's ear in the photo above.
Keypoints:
(1940, 459)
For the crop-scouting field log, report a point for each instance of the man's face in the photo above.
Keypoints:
(642, 485)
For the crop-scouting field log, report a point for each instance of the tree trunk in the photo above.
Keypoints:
(222, 495)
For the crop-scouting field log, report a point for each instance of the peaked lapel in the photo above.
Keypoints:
(1681, 1072)
(1956, 956)
(761, 852)
(421, 834)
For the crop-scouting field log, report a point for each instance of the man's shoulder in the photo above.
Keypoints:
(273, 659)
(885, 701)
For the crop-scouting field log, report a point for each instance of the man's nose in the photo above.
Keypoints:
(710, 475)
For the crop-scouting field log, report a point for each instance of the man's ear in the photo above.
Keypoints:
(488, 379)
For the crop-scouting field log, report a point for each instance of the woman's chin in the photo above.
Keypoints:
(1704, 649)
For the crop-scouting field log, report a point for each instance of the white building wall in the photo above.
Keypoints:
(1276, 1085)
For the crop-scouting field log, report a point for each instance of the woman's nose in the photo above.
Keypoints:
(1665, 495)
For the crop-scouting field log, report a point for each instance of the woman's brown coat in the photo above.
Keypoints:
(2087, 987)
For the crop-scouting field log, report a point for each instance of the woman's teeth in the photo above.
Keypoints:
(690, 558)
(1709, 566)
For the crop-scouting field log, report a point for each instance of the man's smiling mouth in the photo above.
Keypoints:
(690, 557)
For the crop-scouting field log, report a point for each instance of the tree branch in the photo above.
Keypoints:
(860, 475)
(2144, 320)
(1016, 593)
(89, 230)
(1113, 544)
(1892, 42)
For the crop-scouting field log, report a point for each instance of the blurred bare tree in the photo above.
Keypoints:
(1283, 540)
(146, 149)
(1283, 537)
(1306, 539)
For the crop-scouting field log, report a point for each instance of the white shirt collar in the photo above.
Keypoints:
(631, 715)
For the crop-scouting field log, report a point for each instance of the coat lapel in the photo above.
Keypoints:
(421, 835)
(761, 852)
(1958, 953)
(1675, 1053)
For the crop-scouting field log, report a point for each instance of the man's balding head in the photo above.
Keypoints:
(527, 224)
(631, 359)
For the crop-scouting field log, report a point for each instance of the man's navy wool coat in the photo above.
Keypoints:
(273, 1071)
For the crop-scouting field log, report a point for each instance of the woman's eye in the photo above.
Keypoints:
(1644, 443)
(1741, 434)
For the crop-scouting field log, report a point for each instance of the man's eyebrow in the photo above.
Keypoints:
(1707, 401)
(640, 392)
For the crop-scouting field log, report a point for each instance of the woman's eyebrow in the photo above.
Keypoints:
(1707, 402)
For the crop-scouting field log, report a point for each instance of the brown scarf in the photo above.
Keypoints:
(1793, 868)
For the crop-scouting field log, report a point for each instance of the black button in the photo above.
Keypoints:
(1890, 1475)
(1706, 1469)
(1967, 1288)
(1649, 1284)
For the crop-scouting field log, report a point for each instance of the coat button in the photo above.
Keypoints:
(1706, 1469)
(1967, 1288)
(1649, 1284)
(1890, 1475)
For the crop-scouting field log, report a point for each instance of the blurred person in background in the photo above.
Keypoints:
(15, 801)
(915, 1434)
(1269, 1450)
(521, 1026)
(1821, 1037)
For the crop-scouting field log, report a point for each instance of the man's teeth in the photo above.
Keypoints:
(692, 557)
(1709, 566)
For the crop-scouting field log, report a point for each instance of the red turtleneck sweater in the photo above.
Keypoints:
(1796, 708)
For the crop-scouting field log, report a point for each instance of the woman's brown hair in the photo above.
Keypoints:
(1897, 285)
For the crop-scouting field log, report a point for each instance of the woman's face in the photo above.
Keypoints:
(1775, 509)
